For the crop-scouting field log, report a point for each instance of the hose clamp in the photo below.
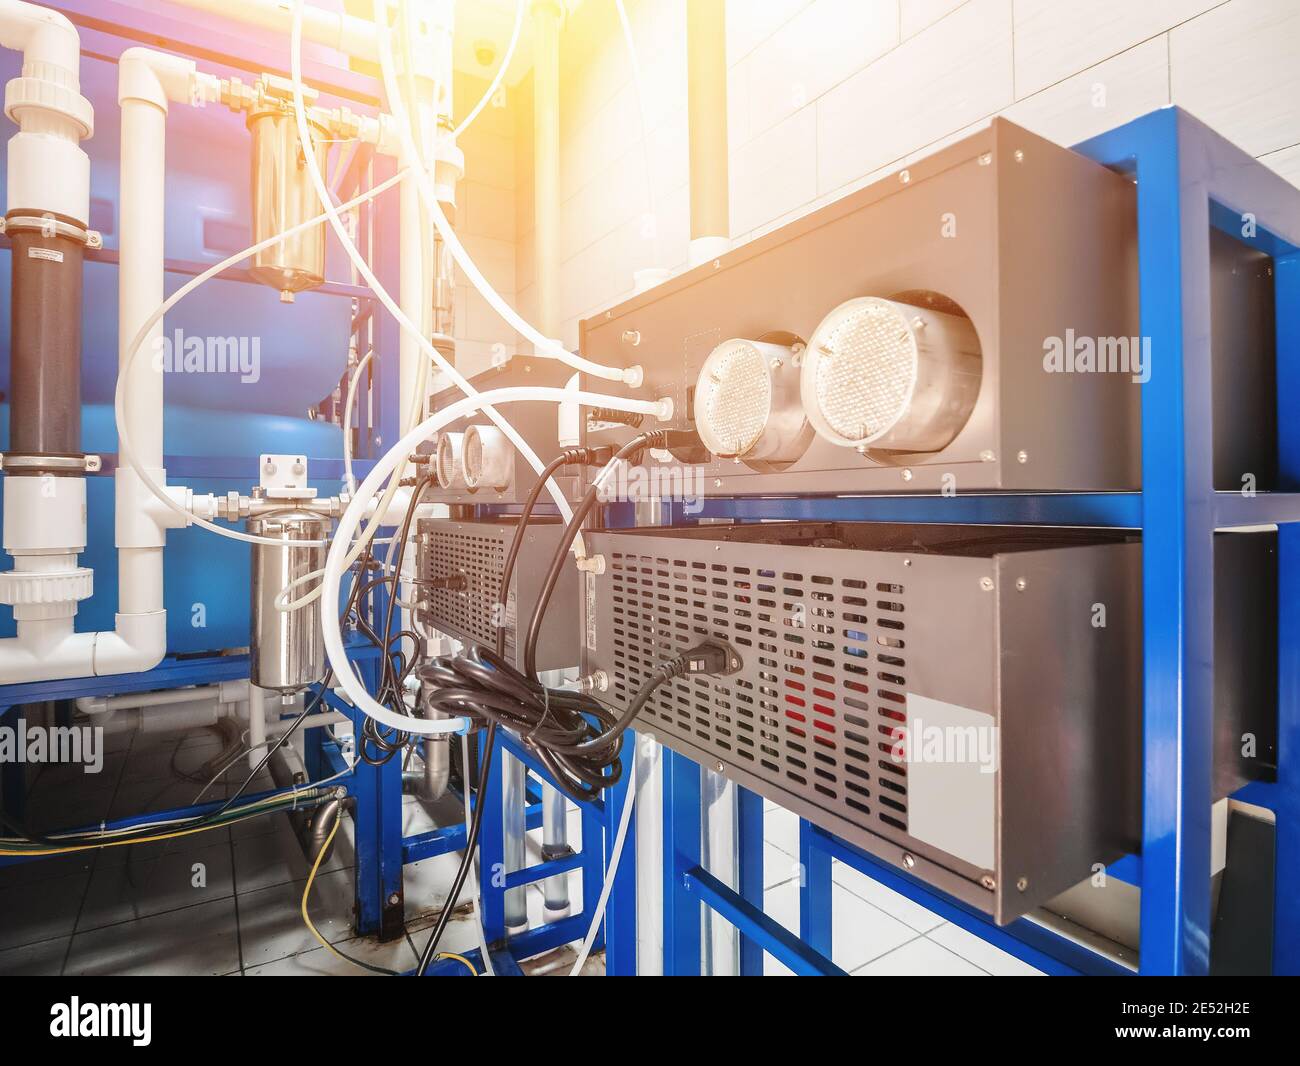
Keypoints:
(48, 226)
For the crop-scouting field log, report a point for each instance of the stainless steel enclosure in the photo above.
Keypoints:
(459, 566)
(964, 702)
(1035, 244)
(287, 651)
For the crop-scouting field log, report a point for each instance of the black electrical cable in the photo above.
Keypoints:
(489, 736)
(90, 839)
(637, 444)
(576, 738)
(375, 746)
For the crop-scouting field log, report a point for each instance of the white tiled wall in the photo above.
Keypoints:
(825, 95)
(486, 221)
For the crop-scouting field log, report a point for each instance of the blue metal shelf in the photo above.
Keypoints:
(1188, 179)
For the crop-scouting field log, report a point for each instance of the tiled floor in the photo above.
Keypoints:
(227, 901)
(874, 930)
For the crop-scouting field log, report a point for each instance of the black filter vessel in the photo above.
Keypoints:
(45, 343)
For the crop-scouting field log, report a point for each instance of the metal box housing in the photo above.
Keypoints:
(536, 421)
(1029, 240)
(472, 555)
(858, 636)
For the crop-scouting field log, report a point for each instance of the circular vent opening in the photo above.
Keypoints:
(888, 376)
(747, 402)
(447, 461)
(485, 458)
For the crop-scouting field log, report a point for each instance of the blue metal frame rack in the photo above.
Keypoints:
(1189, 180)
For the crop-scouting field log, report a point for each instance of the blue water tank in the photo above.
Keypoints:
(293, 357)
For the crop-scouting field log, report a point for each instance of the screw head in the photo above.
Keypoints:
(1022, 884)
(904, 176)
(1022, 457)
(394, 899)
(1019, 156)
(1021, 584)
(718, 767)
(988, 882)
(986, 583)
(908, 859)
(907, 475)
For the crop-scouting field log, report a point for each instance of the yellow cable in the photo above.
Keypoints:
(311, 877)
(460, 959)
(119, 843)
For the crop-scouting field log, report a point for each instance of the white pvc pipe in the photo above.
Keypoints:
(46, 648)
(547, 16)
(97, 705)
(542, 345)
(344, 33)
(411, 296)
(258, 701)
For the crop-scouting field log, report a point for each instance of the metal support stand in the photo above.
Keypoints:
(1188, 180)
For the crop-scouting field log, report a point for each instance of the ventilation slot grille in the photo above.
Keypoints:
(476, 557)
(819, 707)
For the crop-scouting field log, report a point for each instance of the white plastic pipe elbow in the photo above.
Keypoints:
(43, 36)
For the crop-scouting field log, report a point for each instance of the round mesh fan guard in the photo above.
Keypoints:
(733, 398)
(864, 369)
(472, 457)
(447, 461)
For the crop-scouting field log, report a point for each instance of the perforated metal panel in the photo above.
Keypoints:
(820, 705)
(849, 633)
(459, 566)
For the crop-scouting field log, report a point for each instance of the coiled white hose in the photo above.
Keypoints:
(132, 353)
(336, 563)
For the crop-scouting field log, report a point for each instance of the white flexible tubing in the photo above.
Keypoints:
(465, 123)
(363, 268)
(624, 820)
(500, 74)
(119, 400)
(348, 476)
(335, 560)
(478, 914)
(543, 346)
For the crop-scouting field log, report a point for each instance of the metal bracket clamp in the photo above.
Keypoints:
(72, 464)
(49, 226)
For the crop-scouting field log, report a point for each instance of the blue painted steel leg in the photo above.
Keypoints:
(492, 849)
(682, 821)
(1177, 535)
(378, 815)
(1178, 564)
(597, 843)
(1286, 793)
(814, 891)
(620, 912)
(750, 817)
(1286, 907)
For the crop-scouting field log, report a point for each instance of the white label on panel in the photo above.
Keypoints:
(951, 754)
